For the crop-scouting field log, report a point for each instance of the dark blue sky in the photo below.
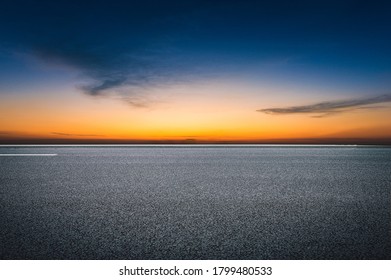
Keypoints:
(137, 42)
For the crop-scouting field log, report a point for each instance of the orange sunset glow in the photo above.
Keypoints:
(182, 114)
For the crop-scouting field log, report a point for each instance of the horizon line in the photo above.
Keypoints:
(187, 145)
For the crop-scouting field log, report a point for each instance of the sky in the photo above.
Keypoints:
(195, 72)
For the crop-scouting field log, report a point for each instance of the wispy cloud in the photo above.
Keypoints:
(80, 135)
(125, 75)
(102, 85)
(104, 69)
(330, 107)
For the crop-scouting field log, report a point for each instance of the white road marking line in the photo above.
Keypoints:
(28, 155)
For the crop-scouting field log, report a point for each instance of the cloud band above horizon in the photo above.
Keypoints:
(329, 107)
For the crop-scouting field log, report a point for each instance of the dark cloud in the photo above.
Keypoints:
(122, 73)
(103, 85)
(329, 108)
(104, 69)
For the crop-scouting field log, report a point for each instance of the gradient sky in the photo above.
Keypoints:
(195, 71)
